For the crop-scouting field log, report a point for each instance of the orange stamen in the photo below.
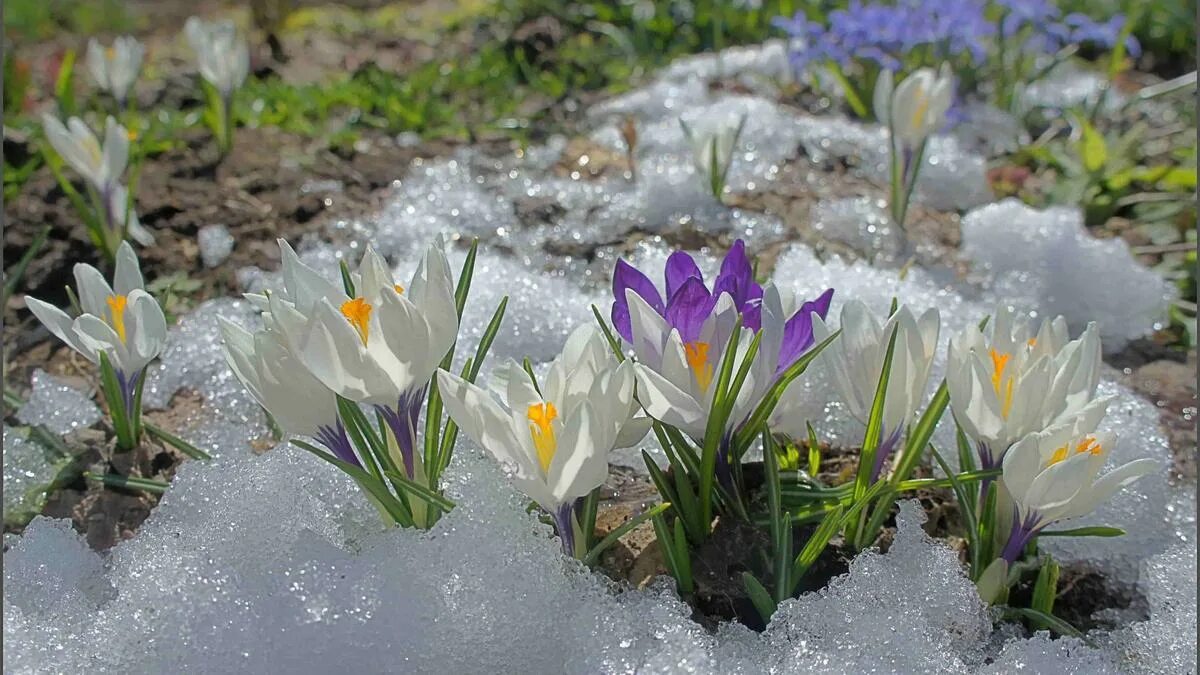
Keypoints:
(116, 308)
(697, 359)
(358, 313)
(540, 416)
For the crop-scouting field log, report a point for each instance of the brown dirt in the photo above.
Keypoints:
(261, 191)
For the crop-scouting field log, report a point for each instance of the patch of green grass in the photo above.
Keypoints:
(30, 20)
(507, 65)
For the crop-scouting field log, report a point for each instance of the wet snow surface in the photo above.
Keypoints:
(275, 563)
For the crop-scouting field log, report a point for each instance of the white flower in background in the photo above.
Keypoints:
(855, 361)
(720, 140)
(380, 347)
(1011, 382)
(558, 441)
(101, 166)
(221, 56)
(297, 401)
(712, 151)
(916, 108)
(122, 320)
(1054, 475)
(115, 68)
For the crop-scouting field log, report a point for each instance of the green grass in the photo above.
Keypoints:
(30, 20)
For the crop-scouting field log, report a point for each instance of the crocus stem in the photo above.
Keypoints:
(225, 136)
(894, 178)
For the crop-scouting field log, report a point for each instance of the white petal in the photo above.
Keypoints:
(1108, 484)
(481, 418)
(92, 289)
(668, 404)
(116, 150)
(60, 324)
(578, 466)
(128, 274)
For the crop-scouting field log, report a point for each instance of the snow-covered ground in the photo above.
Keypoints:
(275, 563)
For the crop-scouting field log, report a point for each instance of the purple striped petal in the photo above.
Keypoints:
(689, 307)
(737, 279)
(680, 268)
(797, 332)
(627, 276)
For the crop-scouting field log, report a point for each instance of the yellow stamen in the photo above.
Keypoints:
(358, 313)
(999, 363)
(1089, 444)
(116, 308)
(1086, 444)
(540, 416)
(697, 360)
(919, 111)
(1058, 456)
(109, 53)
(1032, 342)
(399, 288)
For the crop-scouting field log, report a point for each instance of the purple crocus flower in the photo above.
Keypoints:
(688, 299)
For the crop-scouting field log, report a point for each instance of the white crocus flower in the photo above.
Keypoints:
(557, 440)
(379, 348)
(115, 68)
(1011, 382)
(1054, 475)
(296, 400)
(721, 141)
(122, 321)
(916, 108)
(221, 56)
(712, 152)
(855, 362)
(100, 166)
(676, 378)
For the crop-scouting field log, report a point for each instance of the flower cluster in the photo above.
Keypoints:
(681, 337)
(887, 34)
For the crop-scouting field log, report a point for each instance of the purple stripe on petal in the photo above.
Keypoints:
(680, 268)
(336, 440)
(566, 530)
(688, 309)
(403, 422)
(886, 447)
(1022, 531)
(627, 276)
(737, 279)
(797, 332)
